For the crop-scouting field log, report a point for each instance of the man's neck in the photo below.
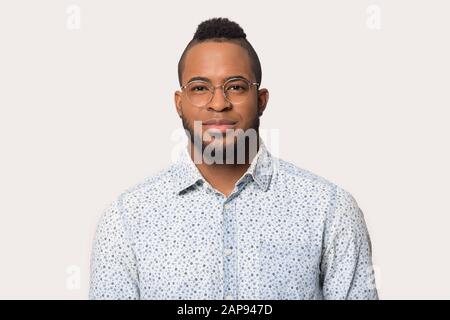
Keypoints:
(223, 177)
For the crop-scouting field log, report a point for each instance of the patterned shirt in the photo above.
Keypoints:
(283, 233)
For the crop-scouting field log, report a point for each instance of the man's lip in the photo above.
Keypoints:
(219, 127)
(219, 122)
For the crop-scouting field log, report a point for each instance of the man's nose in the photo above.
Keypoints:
(218, 101)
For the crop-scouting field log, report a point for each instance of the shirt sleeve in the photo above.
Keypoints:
(113, 267)
(346, 266)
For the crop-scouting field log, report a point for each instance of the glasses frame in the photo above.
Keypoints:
(213, 92)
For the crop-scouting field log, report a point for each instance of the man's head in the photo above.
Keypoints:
(219, 51)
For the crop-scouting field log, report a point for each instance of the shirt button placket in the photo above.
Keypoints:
(229, 246)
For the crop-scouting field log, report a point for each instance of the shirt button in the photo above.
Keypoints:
(227, 206)
(229, 297)
(228, 251)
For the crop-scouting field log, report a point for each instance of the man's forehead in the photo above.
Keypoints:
(217, 78)
(217, 61)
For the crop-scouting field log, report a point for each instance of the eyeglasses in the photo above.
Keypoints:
(235, 91)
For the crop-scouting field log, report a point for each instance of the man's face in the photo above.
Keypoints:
(218, 61)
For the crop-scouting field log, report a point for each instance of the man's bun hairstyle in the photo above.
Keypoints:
(219, 28)
(222, 30)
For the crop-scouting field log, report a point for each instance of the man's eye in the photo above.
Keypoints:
(199, 88)
(235, 88)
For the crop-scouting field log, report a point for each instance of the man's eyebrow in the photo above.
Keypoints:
(198, 78)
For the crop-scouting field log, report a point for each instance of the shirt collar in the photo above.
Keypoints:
(260, 170)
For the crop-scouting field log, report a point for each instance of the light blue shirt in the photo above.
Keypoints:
(283, 233)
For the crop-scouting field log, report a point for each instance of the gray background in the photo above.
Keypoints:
(87, 111)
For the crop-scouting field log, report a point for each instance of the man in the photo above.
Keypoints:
(228, 220)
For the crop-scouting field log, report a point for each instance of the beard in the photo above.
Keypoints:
(220, 148)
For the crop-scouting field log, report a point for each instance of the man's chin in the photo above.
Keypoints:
(219, 144)
(229, 152)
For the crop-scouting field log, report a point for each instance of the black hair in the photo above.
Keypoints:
(222, 30)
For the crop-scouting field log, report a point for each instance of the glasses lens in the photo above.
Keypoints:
(237, 90)
(199, 93)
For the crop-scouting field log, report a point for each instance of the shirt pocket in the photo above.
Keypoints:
(287, 270)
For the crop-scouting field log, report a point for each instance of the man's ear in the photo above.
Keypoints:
(178, 104)
(263, 98)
